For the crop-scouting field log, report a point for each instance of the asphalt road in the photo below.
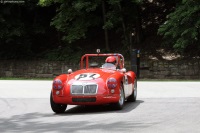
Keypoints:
(161, 107)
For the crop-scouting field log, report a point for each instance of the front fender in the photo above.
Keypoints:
(132, 75)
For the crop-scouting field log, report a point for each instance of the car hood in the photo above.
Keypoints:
(91, 74)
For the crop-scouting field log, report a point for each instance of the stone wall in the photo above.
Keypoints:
(149, 69)
(175, 69)
(34, 69)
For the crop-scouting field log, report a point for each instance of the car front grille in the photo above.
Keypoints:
(84, 89)
(77, 89)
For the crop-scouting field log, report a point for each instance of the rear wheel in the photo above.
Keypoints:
(57, 108)
(119, 105)
(133, 96)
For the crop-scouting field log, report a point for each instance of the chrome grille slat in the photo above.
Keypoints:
(90, 89)
(77, 89)
(84, 89)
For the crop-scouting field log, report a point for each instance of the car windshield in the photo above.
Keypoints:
(109, 66)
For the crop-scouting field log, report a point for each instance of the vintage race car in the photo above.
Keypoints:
(94, 85)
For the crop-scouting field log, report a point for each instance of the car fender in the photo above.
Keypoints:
(132, 77)
(63, 78)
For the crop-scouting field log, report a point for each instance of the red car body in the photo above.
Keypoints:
(92, 85)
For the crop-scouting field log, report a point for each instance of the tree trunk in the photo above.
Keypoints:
(105, 30)
(138, 30)
(126, 35)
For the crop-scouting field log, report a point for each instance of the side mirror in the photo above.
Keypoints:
(69, 71)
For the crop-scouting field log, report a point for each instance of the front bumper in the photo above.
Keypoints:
(87, 100)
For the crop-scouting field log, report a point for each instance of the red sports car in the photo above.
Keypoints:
(95, 85)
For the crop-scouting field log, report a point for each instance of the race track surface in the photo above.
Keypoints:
(161, 107)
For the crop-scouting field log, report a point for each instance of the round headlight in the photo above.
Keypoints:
(57, 84)
(112, 83)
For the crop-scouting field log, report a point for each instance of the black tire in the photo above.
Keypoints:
(119, 105)
(133, 96)
(57, 108)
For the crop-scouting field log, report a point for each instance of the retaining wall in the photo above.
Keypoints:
(149, 69)
(175, 69)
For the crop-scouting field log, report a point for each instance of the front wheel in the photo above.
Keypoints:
(133, 96)
(119, 105)
(57, 108)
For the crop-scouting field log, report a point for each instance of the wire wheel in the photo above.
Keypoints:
(119, 105)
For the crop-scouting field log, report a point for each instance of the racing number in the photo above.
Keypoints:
(82, 76)
(87, 76)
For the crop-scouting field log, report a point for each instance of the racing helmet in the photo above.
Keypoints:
(110, 59)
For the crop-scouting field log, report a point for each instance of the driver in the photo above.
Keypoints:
(110, 63)
(111, 59)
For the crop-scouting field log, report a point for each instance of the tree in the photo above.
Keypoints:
(181, 30)
(23, 29)
(75, 17)
(12, 32)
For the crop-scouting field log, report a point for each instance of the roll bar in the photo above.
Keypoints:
(120, 60)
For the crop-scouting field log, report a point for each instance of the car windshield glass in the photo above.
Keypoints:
(109, 66)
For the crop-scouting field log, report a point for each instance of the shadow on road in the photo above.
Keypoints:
(27, 116)
(40, 123)
(77, 110)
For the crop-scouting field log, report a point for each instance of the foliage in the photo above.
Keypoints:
(21, 28)
(75, 18)
(69, 53)
(10, 32)
(31, 31)
(181, 30)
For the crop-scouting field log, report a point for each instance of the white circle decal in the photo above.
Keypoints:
(87, 76)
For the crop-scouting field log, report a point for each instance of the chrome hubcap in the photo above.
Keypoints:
(121, 100)
(135, 89)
